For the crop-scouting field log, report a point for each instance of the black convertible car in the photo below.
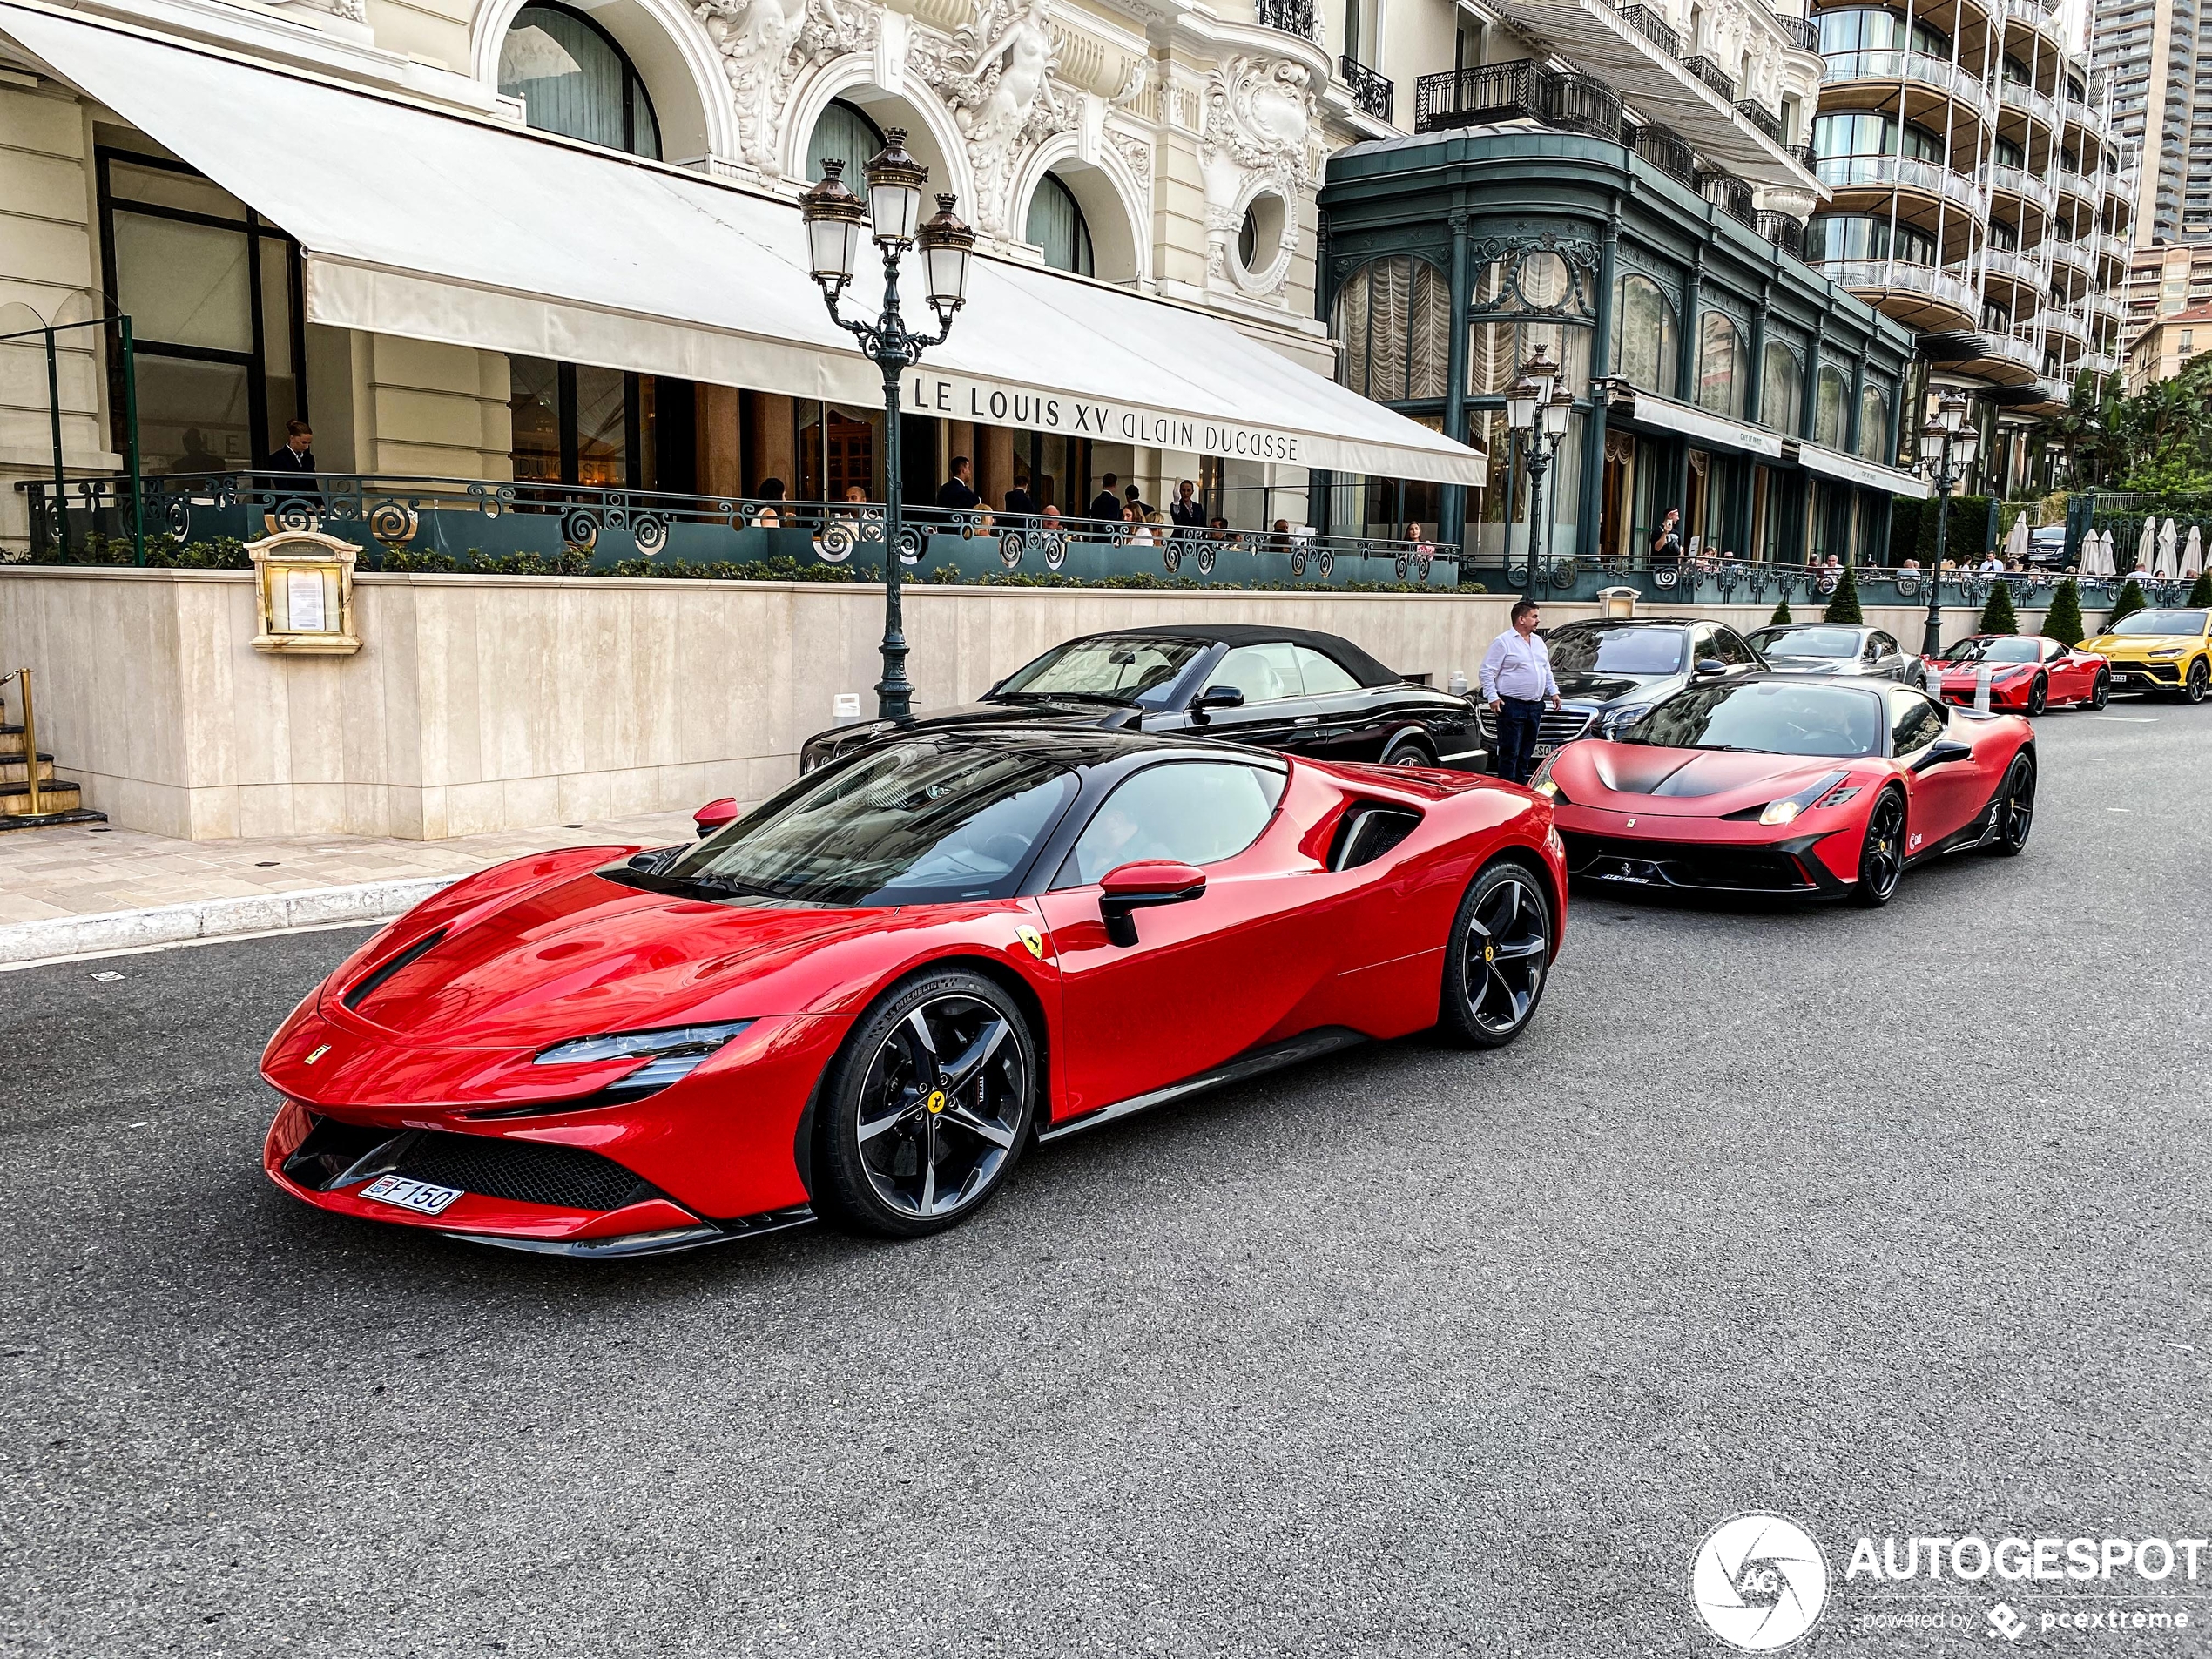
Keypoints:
(1283, 688)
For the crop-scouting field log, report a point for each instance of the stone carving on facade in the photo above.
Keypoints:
(1260, 115)
(1138, 156)
(764, 45)
(996, 74)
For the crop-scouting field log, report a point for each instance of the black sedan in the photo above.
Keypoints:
(1610, 672)
(1283, 688)
(1844, 650)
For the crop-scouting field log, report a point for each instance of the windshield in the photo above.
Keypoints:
(2160, 622)
(1119, 668)
(1994, 648)
(1806, 642)
(1766, 716)
(927, 821)
(1616, 650)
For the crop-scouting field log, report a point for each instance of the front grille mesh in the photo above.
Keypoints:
(1672, 864)
(1557, 726)
(522, 1171)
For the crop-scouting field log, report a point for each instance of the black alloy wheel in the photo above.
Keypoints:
(2038, 695)
(2101, 693)
(2199, 682)
(926, 1108)
(1496, 959)
(2016, 806)
(1881, 856)
(1407, 750)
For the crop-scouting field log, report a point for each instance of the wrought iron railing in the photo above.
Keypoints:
(1785, 231)
(1291, 16)
(1729, 193)
(1649, 24)
(433, 524)
(1663, 148)
(1801, 154)
(1371, 93)
(1712, 74)
(1803, 33)
(1760, 116)
(1570, 101)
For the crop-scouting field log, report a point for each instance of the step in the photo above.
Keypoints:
(61, 796)
(47, 819)
(12, 769)
(11, 740)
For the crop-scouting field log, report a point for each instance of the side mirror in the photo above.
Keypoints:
(1707, 667)
(714, 815)
(1139, 886)
(1216, 696)
(1942, 753)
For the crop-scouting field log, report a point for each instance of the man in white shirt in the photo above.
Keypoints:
(1516, 683)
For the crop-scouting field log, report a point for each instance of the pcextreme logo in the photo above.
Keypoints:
(1758, 1582)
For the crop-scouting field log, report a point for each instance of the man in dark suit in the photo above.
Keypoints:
(1019, 500)
(959, 490)
(298, 454)
(1106, 504)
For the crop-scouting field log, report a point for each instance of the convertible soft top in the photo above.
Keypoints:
(1343, 652)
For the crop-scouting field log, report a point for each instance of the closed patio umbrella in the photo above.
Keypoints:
(2167, 567)
(2193, 554)
(2147, 549)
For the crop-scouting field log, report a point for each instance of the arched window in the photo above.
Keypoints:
(1643, 337)
(845, 134)
(1057, 225)
(1394, 317)
(1782, 389)
(573, 79)
(1874, 423)
(1830, 393)
(1720, 364)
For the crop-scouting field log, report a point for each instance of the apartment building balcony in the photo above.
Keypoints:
(1526, 91)
(2022, 187)
(2026, 18)
(2077, 192)
(1729, 193)
(2068, 257)
(2098, 362)
(2109, 307)
(1920, 296)
(2068, 321)
(1630, 45)
(1803, 32)
(2011, 278)
(1784, 231)
(1371, 93)
(1931, 180)
(1875, 80)
(1299, 17)
(2023, 99)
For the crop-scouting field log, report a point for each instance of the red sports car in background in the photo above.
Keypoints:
(1806, 787)
(2026, 672)
(866, 997)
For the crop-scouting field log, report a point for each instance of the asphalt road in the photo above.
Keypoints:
(1892, 1222)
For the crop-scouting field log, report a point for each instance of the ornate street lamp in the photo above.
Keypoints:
(834, 218)
(1948, 445)
(1539, 409)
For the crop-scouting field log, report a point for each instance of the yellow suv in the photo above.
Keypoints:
(2164, 651)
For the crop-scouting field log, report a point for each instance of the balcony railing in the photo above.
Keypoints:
(1712, 74)
(1906, 276)
(2075, 256)
(2018, 95)
(1526, 89)
(1804, 34)
(434, 525)
(1760, 116)
(2015, 181)
(1922, 67)
(1371, 94)
(1902, 172)
(1784, 231)
(2082, 186)
(1291, 16)
(1649, 25)
(1662, 147)
(1802, 154)
(2032, 15)
(2015, 267)
(1729, 193)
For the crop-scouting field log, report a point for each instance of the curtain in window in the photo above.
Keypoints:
(1390, 303)
(1057, 225)
(573, 80)
(1873, 423)
(844, 134)
(1644, 340)
(1432, 338)
(1781, 389)
(1720, 364)
(1828, 409)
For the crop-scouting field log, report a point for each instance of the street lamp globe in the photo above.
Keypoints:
(1520, 405)
(946, 244)
(1541, 370)
(833, 216)
(1964, 446)
(1951, 410)
(1557, 413)
(895, 182)
(1932, 438)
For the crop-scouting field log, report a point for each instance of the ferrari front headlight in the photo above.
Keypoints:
(671, 1052)
(1786, 810)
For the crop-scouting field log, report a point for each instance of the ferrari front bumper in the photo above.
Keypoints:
(1784, 867)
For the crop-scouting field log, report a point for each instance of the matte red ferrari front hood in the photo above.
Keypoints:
(587, 955)
(1691, 783)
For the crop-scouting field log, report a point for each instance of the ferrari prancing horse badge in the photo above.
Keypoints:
(1034, 940)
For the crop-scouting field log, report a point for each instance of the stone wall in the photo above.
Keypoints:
(480, 703)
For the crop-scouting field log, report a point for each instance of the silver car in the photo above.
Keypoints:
(1834, 647)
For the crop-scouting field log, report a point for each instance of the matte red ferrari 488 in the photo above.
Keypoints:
(1798, 787)
(865, 998)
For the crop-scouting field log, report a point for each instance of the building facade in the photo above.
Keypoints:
(2156, 57)
(2166, 278)
(2168, 347)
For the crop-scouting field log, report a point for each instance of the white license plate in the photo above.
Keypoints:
(418, 1196)
(1542, 749)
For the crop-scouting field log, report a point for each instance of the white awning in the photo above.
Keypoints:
(1851, 469)
(465, 231)
(1694, 422)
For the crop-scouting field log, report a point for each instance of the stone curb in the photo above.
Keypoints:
(31, 942)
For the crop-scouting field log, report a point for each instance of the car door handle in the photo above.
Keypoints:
(1307, 719)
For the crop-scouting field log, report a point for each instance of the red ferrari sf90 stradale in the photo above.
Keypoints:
(1798, 787)
(865, 998)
